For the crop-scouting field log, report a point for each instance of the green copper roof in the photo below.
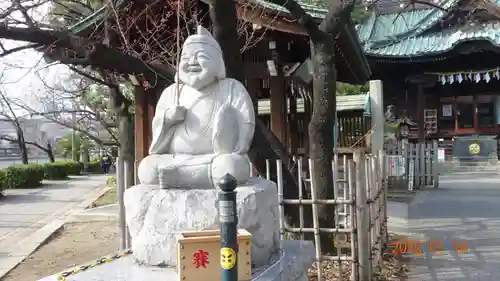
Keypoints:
(94, 19)
(405, 34)
(386, 28)
(435, 43)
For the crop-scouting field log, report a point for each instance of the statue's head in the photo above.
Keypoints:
(201, 61)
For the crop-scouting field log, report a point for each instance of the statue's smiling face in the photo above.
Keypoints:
(197, 67)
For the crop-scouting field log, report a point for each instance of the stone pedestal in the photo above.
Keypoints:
(155, 215)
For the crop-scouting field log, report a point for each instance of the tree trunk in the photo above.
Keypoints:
(120, 105)
(84, 154)
(127, 145)
(50, 153)
(321, 129)
(22, 146)
(265, 145)
(224, 26)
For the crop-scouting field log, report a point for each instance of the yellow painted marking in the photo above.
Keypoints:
(227, 258)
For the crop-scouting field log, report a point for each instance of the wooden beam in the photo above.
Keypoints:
(259, 16)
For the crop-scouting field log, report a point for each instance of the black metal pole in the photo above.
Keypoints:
(228, 228)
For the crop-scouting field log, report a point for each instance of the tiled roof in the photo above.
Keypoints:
(95, 18)
(405, 34)
(393, 26)
(439, 42)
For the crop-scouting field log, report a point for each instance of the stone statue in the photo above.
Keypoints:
(202, 129)
(203, 124)
(389, 113)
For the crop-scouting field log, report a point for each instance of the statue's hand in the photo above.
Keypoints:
(176, 114)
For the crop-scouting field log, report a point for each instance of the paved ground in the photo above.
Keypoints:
(25, 211)
(466, 208)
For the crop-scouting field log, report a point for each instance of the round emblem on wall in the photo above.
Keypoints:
(474, 148)
(227, 258)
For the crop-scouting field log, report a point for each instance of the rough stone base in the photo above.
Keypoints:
(155, 216)
(288, 264)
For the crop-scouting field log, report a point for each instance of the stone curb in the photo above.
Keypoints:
(402, 196)
(95, 214)
(93, 196)
(30, 245)
(52, 224)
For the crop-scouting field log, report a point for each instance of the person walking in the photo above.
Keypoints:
(105, 164)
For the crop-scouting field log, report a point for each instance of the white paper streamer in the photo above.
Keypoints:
(486, 75)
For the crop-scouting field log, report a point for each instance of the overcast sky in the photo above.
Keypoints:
(23, 74)
(22, 70)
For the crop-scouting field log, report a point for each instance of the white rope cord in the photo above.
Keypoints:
(178, 43)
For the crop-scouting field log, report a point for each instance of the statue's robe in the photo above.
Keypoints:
(219, 120)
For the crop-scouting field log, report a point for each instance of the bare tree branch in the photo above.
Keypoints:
(13, 140)
(17, 49)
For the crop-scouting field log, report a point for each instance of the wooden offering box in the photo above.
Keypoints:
(199, 256)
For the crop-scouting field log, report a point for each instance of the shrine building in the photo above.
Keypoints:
(441, 68)
(275, 60)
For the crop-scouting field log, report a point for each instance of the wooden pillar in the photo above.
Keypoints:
(153, 97)
(292, 123)
(420, 111)
(252, 85)
(377, 114)
(306, 119)
(277, 99)
(145, 103)
(142, 128)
